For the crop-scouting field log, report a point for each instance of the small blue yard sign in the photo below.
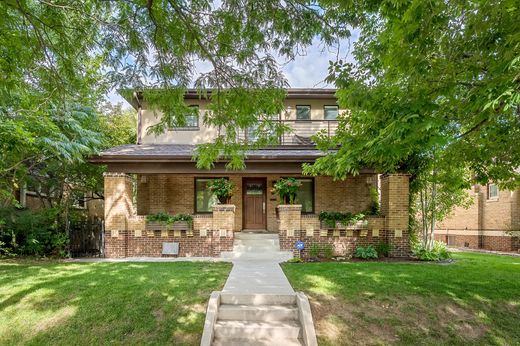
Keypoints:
(300, 245)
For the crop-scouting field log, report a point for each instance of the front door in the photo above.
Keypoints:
(253, 190)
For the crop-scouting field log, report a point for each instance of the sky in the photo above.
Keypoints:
(305, 71)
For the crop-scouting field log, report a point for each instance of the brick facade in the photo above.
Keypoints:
(125, 224)
(391, 228)
(485, 223)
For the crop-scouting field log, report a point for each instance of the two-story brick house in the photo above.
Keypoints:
(491, 222)
(158, 174)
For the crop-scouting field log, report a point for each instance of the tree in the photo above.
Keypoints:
(434, 91)
(54, 50)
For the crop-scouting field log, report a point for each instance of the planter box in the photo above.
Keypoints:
(161, 226)
(157, 226)
(363, 224)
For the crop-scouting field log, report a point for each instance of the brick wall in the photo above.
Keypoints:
(126, 234)
(391, 229)
(136, 243)
(173, 194)
(483, 223)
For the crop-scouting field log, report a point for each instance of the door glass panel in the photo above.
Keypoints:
(254, 189)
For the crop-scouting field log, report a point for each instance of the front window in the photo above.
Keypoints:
(303, 112)
(492, 191)
(204, 198)
(330, 112)
(305, 195)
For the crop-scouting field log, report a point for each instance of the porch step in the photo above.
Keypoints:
(268, 313)
(257, 299)
(257, 342)
(279, 330)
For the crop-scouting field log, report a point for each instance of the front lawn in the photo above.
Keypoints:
(475, 300)
(105, 303)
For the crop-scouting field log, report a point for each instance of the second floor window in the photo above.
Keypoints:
(303, 112)
(330, 112)
(192, 119)
(492, 191)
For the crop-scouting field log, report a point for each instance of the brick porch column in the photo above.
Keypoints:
(289, 217)
(395, 191)
(118, 210)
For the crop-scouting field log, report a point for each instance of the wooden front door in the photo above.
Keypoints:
(255, 203)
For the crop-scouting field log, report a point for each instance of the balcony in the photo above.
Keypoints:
(299, 134)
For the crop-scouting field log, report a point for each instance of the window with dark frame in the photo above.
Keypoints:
(305, 196)
(303, 112)
(192, 119)
(204, 198)
(330, 112)
(492, 191)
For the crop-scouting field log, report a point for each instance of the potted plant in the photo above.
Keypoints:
(334, 219)
(287, 189)
(222, 188)
(164, 221)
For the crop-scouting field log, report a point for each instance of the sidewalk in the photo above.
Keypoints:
(258, 277)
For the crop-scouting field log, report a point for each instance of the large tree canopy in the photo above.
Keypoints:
(435, 85)
(54, 53)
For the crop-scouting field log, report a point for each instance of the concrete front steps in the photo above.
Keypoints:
(257, 319)
(257, 246)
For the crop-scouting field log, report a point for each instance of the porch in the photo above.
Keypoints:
(130, 197)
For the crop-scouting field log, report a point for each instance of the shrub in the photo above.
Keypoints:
(366, 252)
(383, 249)
(169, 219)
(438, 252)
(295, 260)
(35, 233)
(328, 251)
(331, 217)
(314, 250)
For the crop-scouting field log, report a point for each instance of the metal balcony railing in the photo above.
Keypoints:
(300, 131)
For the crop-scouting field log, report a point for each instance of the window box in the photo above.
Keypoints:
(363, 224)
(161, 226)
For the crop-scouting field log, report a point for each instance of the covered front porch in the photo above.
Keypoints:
(136, 188)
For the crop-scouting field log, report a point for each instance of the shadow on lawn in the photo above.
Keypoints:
(475, 300)
(95, 303)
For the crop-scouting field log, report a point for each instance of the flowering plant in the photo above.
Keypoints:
(287, 189)
(222, 188)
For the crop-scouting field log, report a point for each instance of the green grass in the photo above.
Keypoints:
(55, 303)
(475, 300)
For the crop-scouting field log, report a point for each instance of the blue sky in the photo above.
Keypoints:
(305, 71)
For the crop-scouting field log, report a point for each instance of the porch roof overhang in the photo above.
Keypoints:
(178, 158)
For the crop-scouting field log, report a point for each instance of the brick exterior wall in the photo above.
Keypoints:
(484, 223)
(126, 233)
(173, 194)
(392, 228)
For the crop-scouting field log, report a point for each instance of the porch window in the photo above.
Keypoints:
(492, 191)
(204, 198)
(305, 195)
(303, 112)
(330, 112)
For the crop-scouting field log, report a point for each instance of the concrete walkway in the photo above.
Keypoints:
(258, 277)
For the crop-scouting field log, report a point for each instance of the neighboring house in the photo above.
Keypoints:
(33, 197)
(159, 174)
(492, 221)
